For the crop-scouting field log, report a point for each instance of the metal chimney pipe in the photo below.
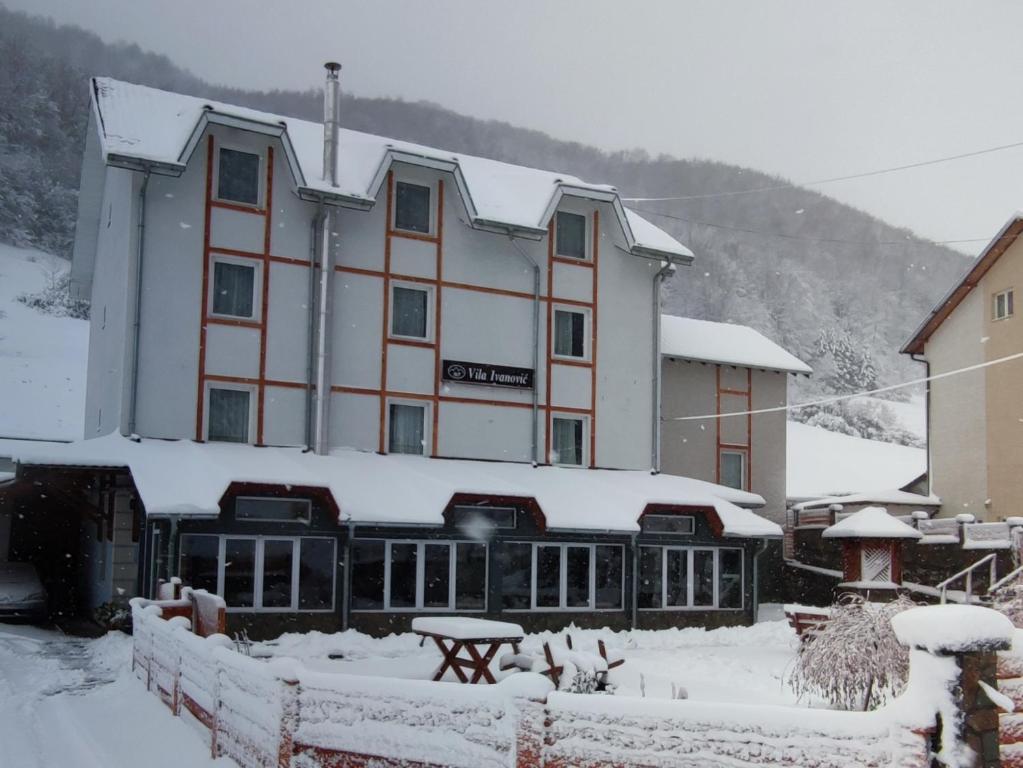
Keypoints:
(331, 121)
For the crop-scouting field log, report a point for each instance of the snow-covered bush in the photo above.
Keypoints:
(55, 299)
(868, 419)
(113, 616)
(854, 661)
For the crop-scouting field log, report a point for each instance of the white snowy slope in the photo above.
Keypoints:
(822, 463)
(42, 358)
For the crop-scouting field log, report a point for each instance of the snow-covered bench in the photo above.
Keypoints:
(563, 663)
(806, 620)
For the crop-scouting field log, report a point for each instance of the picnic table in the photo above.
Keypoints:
(453, 635)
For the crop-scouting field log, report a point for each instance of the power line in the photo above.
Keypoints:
(907, 241)
(839, 398)
(850, 177)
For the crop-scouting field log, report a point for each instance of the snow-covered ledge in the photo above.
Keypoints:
(961, 641)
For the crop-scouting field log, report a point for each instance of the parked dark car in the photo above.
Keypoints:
(22, 596)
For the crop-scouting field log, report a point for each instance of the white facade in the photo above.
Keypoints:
(479, 289)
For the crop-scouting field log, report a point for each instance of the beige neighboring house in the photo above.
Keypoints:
(975, 419)
(712, 368)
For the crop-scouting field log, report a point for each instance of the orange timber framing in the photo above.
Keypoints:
(746, 449)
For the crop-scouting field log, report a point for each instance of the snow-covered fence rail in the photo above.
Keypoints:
(277, 714)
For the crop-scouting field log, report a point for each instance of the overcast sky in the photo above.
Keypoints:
(805, 89)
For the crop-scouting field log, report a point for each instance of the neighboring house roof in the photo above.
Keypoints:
(181, 477)
(871, 523)
(991, 253)
(141, 126)
(708, 342)
(873, 497)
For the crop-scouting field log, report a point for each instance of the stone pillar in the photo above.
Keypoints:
(980, 714)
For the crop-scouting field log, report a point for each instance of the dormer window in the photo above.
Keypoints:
(571, 235)
(1002, 305)
(412, 207)
(238, 176)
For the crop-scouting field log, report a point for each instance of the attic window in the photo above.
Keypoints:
(238, 176)
(571, 235)
(1002, 305)
(412, 207)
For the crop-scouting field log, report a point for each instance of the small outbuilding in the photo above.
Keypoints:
(872, 548)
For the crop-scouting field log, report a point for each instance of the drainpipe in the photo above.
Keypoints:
(927, 405)
(139, 253)
(311, 337)
(635, 584)
(655, 438)
(756, 578)
(534, 436)
(325, 219)
(346, 575)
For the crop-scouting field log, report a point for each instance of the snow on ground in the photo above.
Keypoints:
(72, 702)
(42, 358)
(822, 463)
(911, 415)
(729, 665)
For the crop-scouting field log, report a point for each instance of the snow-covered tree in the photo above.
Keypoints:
(854, 661)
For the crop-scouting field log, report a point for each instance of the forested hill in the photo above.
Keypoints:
(809, 272)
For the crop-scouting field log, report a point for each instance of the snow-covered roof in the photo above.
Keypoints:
(709, 342)
(821, 463)
(871, 523)
(181, 477)
(893, 496)
(943, 629)
(140, 125)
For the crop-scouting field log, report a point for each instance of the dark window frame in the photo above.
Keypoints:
(563, 606)
(716, 578)
(306, 519)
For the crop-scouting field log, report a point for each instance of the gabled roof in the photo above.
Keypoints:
(146, 127)
(891, 496)
(181, 477)
(992, 252)
(871, 523)
(708, 342)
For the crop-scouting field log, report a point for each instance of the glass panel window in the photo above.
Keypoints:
(703, 577)
(471, 576)
(608, 571)
(412, 207)
(577, 577)
(403, 575)
(234, 289)
(676, 578)
(483, 519)
(515, 565)
(436, 576)
(567, 441)
(409, 312)
(569, 333)
(571, 235)
(677, 524)
(240, 572)
(277, 570)
(548, 577)
(368, 575)
(279, 510)
(650, 575)
(228, 420)
(733, 469)
(406, 428)
(730, 578)
(316, 574)
(238, 176)
(1003, 305)
(199, 562)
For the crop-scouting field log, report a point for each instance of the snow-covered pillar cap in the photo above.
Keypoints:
(945, 630)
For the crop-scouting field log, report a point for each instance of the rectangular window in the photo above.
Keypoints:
(240, 573)
(412, 207)
(569, 333)
(562, 576)
(368, 568)
(406, 428)
(229, 415)
(238, 176)
(483, 518)
(733, 469)
(567, 444)
(515, 565)
(278, 559)
(410, 312)
(234, 288)
(316, 574)
(571, 235)
(270, 509)
(1002, 305)
(682, 525)
(690, 578)
(198, 563)
(420, 576)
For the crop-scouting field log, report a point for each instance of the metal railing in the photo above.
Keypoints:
(1005, 580)
(968, 573)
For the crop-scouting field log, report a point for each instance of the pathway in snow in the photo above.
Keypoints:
(73, 702)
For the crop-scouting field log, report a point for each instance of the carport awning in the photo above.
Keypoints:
(180, 477)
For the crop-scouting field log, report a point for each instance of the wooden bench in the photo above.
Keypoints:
(806, 621)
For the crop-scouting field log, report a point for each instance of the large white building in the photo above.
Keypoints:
(327, 299)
